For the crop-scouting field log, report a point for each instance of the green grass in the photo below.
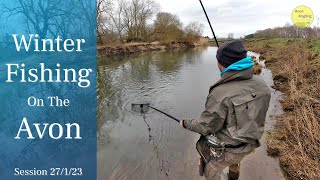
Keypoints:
(278, 41)
(275, 42)
(315, 47)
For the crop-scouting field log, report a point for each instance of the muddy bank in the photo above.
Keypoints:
(132, 48)
(295, 139)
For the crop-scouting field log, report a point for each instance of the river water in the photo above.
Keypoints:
(152, 146)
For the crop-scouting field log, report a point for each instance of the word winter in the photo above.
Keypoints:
(57, 44)
(55, 130)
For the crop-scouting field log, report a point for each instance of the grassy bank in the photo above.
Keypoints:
(295, 64)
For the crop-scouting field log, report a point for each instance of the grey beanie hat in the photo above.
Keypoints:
(231, 52)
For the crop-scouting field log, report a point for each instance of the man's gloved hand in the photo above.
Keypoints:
(181, 124)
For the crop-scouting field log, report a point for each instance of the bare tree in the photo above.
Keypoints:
(116, 18)
(124, 19)
(167, 27)
(193, 31)
(30, 17)
(101, 7)
(105, 27)
(136, 14)
(128, 20)
(287, 31)
(39, 14)
(230, 36)
(87, 19)
(56, 17)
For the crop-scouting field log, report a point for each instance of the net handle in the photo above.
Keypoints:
(176, 119)
(148, 106)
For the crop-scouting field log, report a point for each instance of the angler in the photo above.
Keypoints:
(234, 113)
(233, 120)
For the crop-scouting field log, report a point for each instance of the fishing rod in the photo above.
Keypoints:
(205, 12)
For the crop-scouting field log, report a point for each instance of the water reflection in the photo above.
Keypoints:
(154, 146)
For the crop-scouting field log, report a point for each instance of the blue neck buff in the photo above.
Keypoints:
(239, 65)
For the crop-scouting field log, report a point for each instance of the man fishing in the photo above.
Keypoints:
(234, 114)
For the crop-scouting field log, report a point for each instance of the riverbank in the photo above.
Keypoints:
(135, 47)
(295, 139)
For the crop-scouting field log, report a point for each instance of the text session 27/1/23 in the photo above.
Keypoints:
(49, 172)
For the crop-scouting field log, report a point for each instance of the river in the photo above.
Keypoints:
(152, 146)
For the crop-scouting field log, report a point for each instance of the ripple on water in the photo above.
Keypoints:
(152, 146)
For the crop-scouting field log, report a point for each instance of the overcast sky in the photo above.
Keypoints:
(240, 17)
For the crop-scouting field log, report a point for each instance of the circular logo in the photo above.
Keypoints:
(302, 16)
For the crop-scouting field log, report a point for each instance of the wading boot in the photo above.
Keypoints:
(202, 165)
(234, 172)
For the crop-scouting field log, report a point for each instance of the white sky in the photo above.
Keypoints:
(240, 17)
